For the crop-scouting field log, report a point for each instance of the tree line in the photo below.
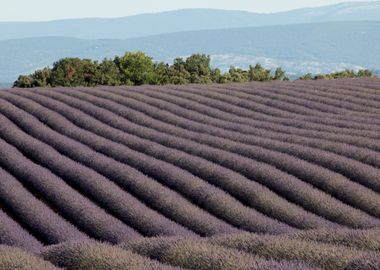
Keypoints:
(137, 68)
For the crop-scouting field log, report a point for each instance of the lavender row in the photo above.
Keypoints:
(300, 97)
(168, 202)
(71, 204)
(200, 255)
(329, 257)
(248, 191)
(303, 193)
(170, 96)
(12, 234)
(94, 255)
(224, 158)
(246, 93)
(358, 239)
(365, 175)
(334, 93)
(14, 258)
(202, 193)
(296, 123)
(199, 113)
(365, 85)
(33, 213)
(271, 109)
(118, 202)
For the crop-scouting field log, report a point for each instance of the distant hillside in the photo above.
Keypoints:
(186, 20)
(322, 47)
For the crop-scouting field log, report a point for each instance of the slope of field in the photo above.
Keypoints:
(280, 175)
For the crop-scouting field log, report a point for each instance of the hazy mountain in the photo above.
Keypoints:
(185, 20)
(321, 47)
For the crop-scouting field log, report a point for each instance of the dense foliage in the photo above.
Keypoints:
(281, 175)
(137, 69)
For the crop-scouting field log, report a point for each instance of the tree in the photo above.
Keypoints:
(365, 73)
(108, 73)
(258, 73)
(216, 75)
(161, 74)
(135, 68)
(24, 81)
(73, 72)
(306, 77)
(238, 75)
(198, 65)
(280, 75)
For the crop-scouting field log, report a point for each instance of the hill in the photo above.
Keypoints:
(186, 20)
(280, 175)
(315, 48)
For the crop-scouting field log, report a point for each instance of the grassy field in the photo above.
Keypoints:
(279, 175)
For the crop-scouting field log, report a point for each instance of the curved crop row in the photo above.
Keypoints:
(12, 234)
(199, 113)
(169, 202)
(71, 204)
(366, 86)
(225, 206)
(267, 108)
(359, 239)
(93, 255)
(34, 214)
(327, 124)
(347, 167)
(246, 94)
(244, 189)
(287, 124)
(200, 255)
(329, 257)
(12, 258)
(300, 98)
(254, 170)
(105, 193)
(207, 196)
(345, 115)
(334, 93)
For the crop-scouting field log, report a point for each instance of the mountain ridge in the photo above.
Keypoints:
(345, 45)
(186, 20)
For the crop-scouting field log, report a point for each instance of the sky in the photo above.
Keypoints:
(43, 10)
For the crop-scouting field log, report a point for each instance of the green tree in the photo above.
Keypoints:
(161, 74)
(306, 77)
(198, 65)
(238, 75)
(73, 72)
(365, 73)
(258, 73)
(108, 73)
(136, 68)
(24, 81)
(280, 75)
(178, 73)
(216, 75)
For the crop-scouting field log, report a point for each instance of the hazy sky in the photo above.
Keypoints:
(37, 10)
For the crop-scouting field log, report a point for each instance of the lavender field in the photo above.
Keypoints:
(278, 175)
